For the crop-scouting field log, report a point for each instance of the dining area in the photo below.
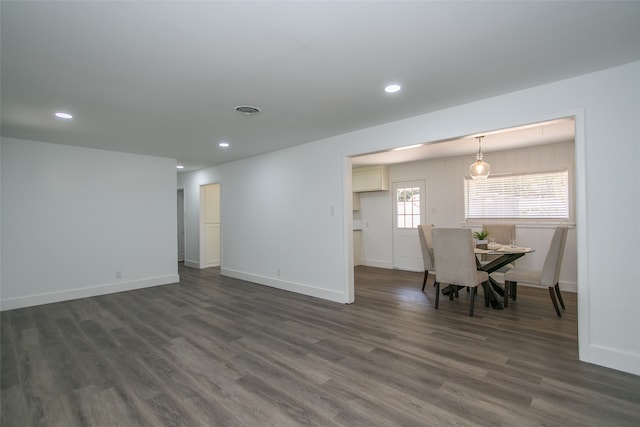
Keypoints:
(458, 260)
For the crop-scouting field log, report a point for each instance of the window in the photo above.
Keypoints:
(408, 207)
(524, 196)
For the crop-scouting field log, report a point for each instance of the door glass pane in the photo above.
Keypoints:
(408, 207)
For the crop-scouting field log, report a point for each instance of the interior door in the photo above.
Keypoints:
(409, 210)
(211, 213)
(180, 225)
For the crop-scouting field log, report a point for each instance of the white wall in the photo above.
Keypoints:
(445, 204)
(286, 206)
(264, 227)
(74, 217)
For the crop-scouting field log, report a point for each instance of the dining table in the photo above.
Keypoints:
(506, 255)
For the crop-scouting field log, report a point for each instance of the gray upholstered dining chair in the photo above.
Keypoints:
(424, 231)
(503, 234)
(455, 262)
(548, 276)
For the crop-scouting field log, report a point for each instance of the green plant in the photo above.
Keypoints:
(480, 235)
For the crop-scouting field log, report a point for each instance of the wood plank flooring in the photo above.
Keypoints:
(216, 351)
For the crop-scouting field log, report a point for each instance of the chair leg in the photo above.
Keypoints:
(437, 285)
(485, 289)
(424, 282)
(507, 286)
(472, 300)
(553, 299)
(559, 296)
(513, 290)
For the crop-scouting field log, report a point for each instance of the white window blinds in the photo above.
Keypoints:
(526, 196)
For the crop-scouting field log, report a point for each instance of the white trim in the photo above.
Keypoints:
(615, 358)
(377, 263)
(564, 286)
(285, 285)
(568, 287)
(192, 264)
(533, 225)
(71, 294)
(580, 188)
(211, 265)
(347, 229)
(526, 224)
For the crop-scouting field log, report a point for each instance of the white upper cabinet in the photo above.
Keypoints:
(370, 178)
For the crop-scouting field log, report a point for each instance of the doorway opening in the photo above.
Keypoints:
(551, 144)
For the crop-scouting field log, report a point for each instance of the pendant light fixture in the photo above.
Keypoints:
(479, 169)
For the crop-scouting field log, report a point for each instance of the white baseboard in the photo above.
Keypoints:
(286, 286)
(569, 287)
(564, 286)
(377, 263)
(70, 294)
(191, 264)
(196, 264)
(614, 358)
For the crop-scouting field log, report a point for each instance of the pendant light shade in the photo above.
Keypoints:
(479, 169)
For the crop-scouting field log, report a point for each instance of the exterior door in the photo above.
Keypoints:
(409, 210)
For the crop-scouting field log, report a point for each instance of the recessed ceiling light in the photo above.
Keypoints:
(223, 144)
(63, 115)
(179, 167)
(392, 88)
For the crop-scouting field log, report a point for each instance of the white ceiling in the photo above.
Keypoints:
(163, 78)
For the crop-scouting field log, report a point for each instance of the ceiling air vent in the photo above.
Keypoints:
(247, 110)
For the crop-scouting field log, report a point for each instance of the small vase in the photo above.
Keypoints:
(481, 244)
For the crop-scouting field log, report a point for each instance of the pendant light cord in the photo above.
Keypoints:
(479, 138)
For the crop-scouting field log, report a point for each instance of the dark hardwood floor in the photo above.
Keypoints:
(218, 351)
